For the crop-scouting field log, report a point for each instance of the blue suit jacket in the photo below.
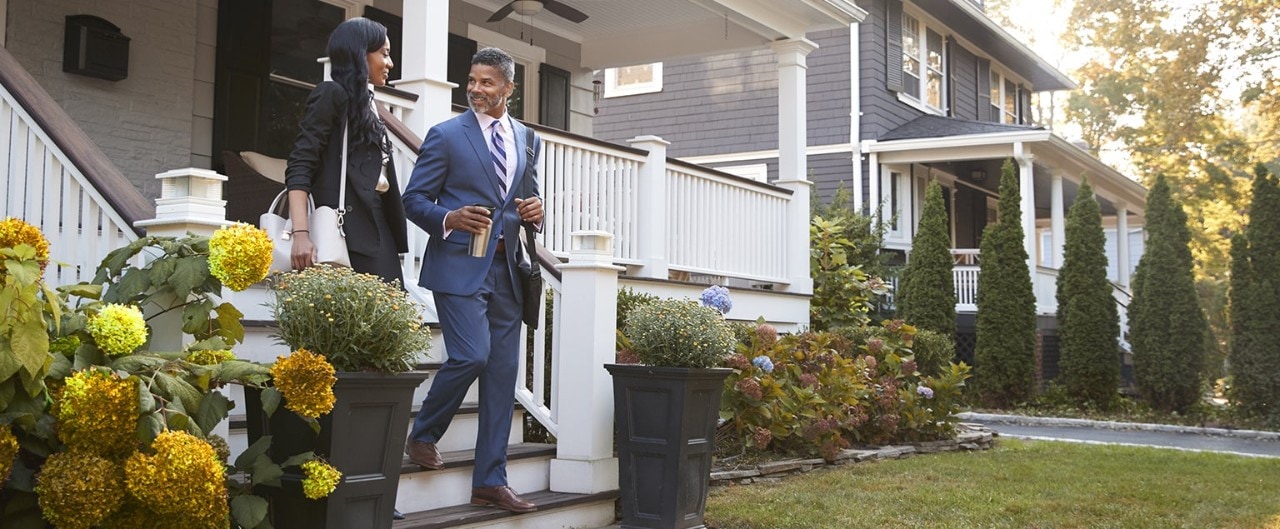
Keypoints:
(455, 169)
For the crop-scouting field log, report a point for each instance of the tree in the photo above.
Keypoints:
(1255, 303)
(927, 298)
(1005, 351)
(1166, 326)
(1088, 323)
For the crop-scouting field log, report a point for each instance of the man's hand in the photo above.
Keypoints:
(471, 219)
(530, 209)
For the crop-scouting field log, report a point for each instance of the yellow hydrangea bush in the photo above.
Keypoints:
(78, 490)
(97, 413)
(14, 231)
(306, 380)
(118, 329)
(183, 480)
(320, 479)
(239, 255)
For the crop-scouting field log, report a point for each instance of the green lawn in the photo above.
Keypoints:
(1018, 484)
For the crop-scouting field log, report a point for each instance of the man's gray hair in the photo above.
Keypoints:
(498, 59)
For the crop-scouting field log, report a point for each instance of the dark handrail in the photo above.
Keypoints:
(549, 262)
(83, 153)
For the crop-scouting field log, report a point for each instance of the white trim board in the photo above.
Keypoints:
(771, 154)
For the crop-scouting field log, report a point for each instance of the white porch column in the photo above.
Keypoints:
(652, 199)
(1026, 189)
(792, 161)
(424, 63)
(584, 462)
(1057, 221)
(1122, 244)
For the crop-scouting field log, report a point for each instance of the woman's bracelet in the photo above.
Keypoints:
(299, 231)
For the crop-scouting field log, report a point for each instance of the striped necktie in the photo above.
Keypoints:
(499, 152)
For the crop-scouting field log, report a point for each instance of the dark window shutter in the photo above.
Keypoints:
(893, 46)
(554, 94)
(461, 49)
(393, 24)
(949, 73)
(984, 89)
(1024, 105)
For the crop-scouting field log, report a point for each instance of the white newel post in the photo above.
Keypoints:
(424, 64)
(792, 157)
(584, 462)
(1122, 243)
(1057, 220)
(652, 199)
(1027, 192)
(190, 202)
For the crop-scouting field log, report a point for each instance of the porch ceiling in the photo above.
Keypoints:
(628, 32)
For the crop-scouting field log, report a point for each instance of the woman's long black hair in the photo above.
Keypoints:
(349, 47)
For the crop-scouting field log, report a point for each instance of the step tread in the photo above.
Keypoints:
(239, 421)
(459, 515)
(466, 458)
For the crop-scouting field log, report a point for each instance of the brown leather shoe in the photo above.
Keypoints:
(424, 455)
(501, 497)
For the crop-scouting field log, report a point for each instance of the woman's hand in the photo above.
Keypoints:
(304, 251)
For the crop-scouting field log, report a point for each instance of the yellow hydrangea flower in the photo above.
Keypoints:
(118, 329)
(78, 490)
(183, 479)
(210, 357)
(239, 255)
(8, 451)
(97, 412)
(306, 380)
(15, 231)
(320, 479)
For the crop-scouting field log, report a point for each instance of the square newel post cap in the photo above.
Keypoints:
(591, 248)
(189, 196)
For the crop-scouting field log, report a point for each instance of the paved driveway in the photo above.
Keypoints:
(1241, 442)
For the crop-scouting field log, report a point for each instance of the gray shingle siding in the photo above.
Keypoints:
(964, 71)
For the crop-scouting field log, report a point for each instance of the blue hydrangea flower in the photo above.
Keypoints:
(763, 362)
(717, 297)
(925, 392)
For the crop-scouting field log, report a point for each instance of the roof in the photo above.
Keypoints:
(969, 22)
(931, 126)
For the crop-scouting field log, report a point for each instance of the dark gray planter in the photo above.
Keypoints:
(363, 437)
(665, 419)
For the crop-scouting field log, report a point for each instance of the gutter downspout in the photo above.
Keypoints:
(855, 114)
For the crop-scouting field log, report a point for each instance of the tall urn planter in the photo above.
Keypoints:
(665, 421)
(363, 437)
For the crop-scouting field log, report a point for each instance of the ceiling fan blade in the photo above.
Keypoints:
(565, 11)
(502, 13)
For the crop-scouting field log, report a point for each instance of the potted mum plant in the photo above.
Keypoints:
(666, 407)
(371, 333)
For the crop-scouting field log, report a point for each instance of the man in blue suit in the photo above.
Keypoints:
(474, 160)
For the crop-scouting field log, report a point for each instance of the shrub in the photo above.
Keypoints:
(1255, 304)
(1088, 323)
(927, 297)
(1166, 326)
(842, 292)
(933, 352)
(1004, 356)
(678, 333)
(357, 321)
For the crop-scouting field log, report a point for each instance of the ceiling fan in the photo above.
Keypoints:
(533, 7)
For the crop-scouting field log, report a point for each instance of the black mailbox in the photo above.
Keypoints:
(96, 48)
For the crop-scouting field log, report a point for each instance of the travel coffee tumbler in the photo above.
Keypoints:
(480, 241)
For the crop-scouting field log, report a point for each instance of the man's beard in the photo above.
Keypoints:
(485, 104)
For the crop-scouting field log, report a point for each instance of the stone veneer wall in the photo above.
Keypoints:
(143, 123)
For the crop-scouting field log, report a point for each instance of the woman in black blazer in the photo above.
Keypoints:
(360, 57)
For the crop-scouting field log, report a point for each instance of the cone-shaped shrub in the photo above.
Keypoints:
(1005, 352)
(1255, 303)
(1088, 323)
(1166, 326)
(927, 298)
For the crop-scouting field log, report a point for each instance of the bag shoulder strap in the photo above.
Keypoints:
(342, 181)
(527, 184)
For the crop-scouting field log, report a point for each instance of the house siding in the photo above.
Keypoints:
(143, 123)
(729, 103)
(964, 75)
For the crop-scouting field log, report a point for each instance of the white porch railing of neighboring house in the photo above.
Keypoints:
(964, 274)
(44, 186)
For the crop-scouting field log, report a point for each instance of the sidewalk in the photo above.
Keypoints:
(1251, 443)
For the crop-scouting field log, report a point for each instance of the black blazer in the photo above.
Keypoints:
(314, 167)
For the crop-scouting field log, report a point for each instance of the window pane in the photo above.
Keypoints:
(299, 34)
(995, 113)
(279, 126)
(1010, 102)
(911, 54)
(934, 98)
(935, 75)
(935, 50)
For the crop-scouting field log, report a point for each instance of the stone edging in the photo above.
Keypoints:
(1113, 425)
(978, 438)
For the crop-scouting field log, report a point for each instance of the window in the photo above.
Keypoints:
(923, 59)
(1008, 100)
(632, 80)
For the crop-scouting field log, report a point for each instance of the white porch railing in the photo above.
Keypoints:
(722, 225)
(1045, 284)
(966, 283)
(44, 188)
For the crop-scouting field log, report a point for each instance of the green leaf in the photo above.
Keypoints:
(259, 447)
(270, 400)
(215, 343)
(88, 355)
(195, 317)
(25, 272)
(248, 511)
(189, 273)
(242, 371)
(298, 460)
(83, 290)
(161, 269)
(150, 426)
(229, 324)
(119, 258)
(177, 389)
(146, 400)
(213, 409)
(7, 388)
(29, 343)
(265, 470)
(131, 285)
(180, 421)
(137, 363)
(9, 365)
